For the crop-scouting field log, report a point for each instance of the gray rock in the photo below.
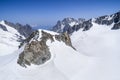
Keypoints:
(116, 20)
(37, 52)
(65, 38)
(3, 27)
(116, 17)
(116, 26)
(34, 35)
(87, 25)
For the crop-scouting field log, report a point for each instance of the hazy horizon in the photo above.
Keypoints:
(48, 12)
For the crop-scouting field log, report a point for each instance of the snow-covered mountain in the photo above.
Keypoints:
(70, 24)
(101, 45)
(66, 24)
(47, 54)
(91, 52)
(11, 35)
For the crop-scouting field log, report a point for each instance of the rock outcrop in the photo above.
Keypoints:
(116, 21)
(65, 38)
(116, 26)
(36, 50)
(3, 28)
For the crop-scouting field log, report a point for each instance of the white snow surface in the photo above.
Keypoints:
(73, 23)
(8, 40)
(103, 47)
(96, 58)
(63, 64)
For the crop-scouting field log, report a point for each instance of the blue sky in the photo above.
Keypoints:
(48, 12)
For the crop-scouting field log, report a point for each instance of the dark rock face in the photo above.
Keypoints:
(37, 52)
(34, 35)
(103, 20)
(117, 17)
(24, 30)
(68, 29)
(77, 27)
(116, 26)
(3, 27)
(87, 25)
(116, 21)
(57, 27)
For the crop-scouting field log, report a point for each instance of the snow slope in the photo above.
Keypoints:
(9, 39)
(101, 45)
(96, 58)
(63, 65)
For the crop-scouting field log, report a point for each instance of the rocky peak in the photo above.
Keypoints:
(36, 50)
(64, 25)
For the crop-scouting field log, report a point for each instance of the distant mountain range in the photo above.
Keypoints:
(70, 25)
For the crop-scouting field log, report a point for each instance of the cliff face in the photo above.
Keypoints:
(36, 50)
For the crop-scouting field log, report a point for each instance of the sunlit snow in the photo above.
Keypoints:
(97, 57)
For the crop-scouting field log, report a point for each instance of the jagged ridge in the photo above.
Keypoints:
(36, 50)
(64, 26)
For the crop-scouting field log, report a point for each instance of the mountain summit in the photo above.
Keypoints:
(66, 24)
